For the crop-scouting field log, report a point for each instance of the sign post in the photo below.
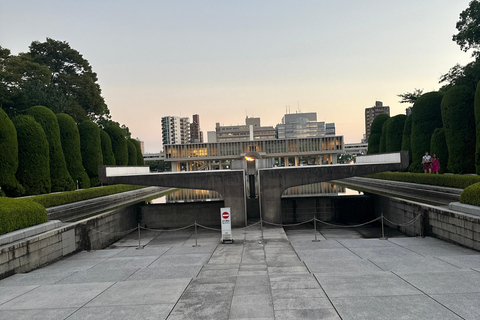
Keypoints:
(226, 222)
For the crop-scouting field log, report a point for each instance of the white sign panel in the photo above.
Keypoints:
(226, 222)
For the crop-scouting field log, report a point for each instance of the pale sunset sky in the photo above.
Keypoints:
(226, 60)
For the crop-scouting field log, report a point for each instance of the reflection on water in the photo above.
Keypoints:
(316, 189)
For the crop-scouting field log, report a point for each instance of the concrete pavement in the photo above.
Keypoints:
(287, 276)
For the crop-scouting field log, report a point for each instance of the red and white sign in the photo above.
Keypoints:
(226, 222)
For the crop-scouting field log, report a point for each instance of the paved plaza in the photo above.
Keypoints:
(348, 274)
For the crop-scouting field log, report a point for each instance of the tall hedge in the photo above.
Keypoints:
(383, 138)
(132, 153)
(459, 124)
(91, 149)
(119, 144)
(33, 156)
(477, 126)
(394, 133)
(8, 157)
(60, 177)
(70, 138)
(426, 117)
(438, 146)
(20, 213)
(376, 133)
(406, 140)
(107, 151)
(140, 161)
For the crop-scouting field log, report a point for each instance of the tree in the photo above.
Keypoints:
(33, 171)
(108, 157)
(438, 146)
(406, 139)
(410, 97)
(73, 75)
(426, 117)
(140, 161)
(132, 153)
(468, 36)
(60, 177)
(382, 148)
(459, 124)
(376, 133)
(119, 144)
(477, 127)
(91, 149)
(8, 157)
(70, 139)
(394, 133)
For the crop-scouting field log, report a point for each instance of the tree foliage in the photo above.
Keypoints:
(468, 36)
(140, 161)
(438, 146)
(107, 151)
(70, 139)
(410, 97)
(8, 157)
(33, 171)
(406, 139)
(376, 133)
(426, 117)
(60, 177)
(382, 148)
(132, 153)
(477, 126)
(394, 133)
(91, 149)
(459, 124)
(119, 144)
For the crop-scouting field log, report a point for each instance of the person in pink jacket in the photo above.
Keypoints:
(435, 164)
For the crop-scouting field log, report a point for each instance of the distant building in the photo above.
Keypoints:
(372, 113)
(142, 145)
(250, 131)
(303, 125)
(175, 130)
(196, 135)
(359, 149)
(408, 111)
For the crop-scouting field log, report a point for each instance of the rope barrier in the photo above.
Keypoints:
(349, 226)
(114, 233)
(168, 230)
(406, 223)
(287, 225)
(208, 228)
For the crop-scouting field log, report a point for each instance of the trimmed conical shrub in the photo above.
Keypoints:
(91, 149)
(394, 133)
(33, 171)
(438, 146)
(132, 153)
(406, 139)
(70, 138)
(108, 157)
(382, 148)
(119, 144)
(60, 177)
(376, 133)
(477, 126)
(8, 157)
(140, 161)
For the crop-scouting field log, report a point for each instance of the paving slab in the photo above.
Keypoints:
(459, 281)
(144, 311)
(51, 314)
(463, 304)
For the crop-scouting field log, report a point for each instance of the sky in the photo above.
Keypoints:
(226, 60)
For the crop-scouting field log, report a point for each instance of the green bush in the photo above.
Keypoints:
(406, 139)
(57, 199)
(59, 175)
(438, 146)
(33, 157)
(132, 153)
(107, 151)
(477, 126)
(426, 117)
(91, 149)
(119, 144)
(8, 157)
(382, 148)
(471, 195)
(140, 161)
(70, 139)
(20, 213)
(376, 133)
(443, 180)
(394, 133)
(459, 124)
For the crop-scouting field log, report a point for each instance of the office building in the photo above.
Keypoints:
(252, 130)
(175, 130)
(196, 135)
(372, 113)
(303, 125)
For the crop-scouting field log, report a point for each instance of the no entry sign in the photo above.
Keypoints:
(226, 222)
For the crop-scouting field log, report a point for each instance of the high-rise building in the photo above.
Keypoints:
(303, 125)
(175, 130)
(250, 131)
(372, 113)
(196, 135)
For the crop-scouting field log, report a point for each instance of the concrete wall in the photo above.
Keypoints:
(177, 215)
(457, 227)
(93, 233)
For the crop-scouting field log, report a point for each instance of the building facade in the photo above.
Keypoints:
(175, 130)
(252, 130)
(196, 135)
(372, 113)
(303, 125)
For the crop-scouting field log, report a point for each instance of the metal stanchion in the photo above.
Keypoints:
(261, 228)
(139, 245)
(315, 228)
(196, 237)
(383, 231)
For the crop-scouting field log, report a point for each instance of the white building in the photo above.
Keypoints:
(303, 125)
(175, 130)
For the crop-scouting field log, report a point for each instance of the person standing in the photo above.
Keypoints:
(427, 164)
(435, 164)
